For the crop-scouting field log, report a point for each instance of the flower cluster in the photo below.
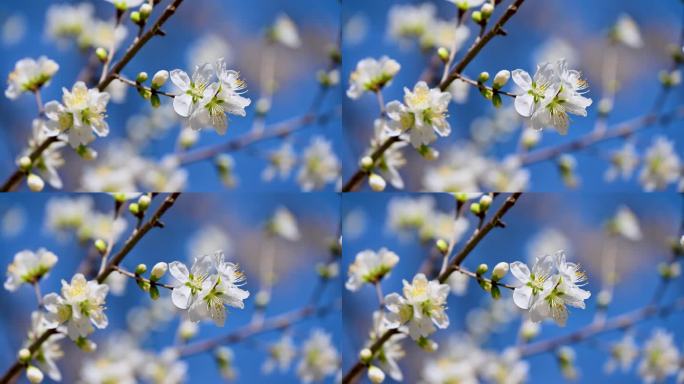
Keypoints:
(371, 75)
(421, 307)
(209, 285)
(80, 117)
(423, 113)
(370, 267)
(546, 99)
(30, 75)
(209, 96)
(79, 307)
(29, 267)
(551, 285)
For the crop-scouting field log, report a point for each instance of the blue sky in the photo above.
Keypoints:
(583, 24)
(580, 217)
(241, 217)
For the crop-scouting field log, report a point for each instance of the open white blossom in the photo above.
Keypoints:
(547, 98)
(465, 4)
(49, 160)
(280, 163)
(391, 159)
(29, 267)
(62, 214)
(660, 357)
(623, 163)
(421, 308)
(79, 307)
(281, 354)
(68, 21)
(319, 357)
(320, 166)
(83, 112)
(424, 113)
(211, 94)
(49, 351)
(445, 33)
(118, 361)
(102, 33)
(622, 354)
(369, 267)
(661, 165)
(165, 368)
(458, 363)
(410, 21)
(626, 224)
(205, 289)
(409, 213)
(30, 75)
(506, 368)
(551, 285)
(371, 75)
(391, 351)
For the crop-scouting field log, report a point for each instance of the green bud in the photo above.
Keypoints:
(365, 355)
(155, 101)
(495, 292)
(144, 201)
(101, 54)
(101, 246)
(134, 208)
(483, 77)
(442, 246)
(443, 54)
(475, 209)
(366, 163)
(154, 292)
(477, 17)
(25, 163)
(135, 17)
(140, 269)
(482, 269)
(496, 100)
(24, 355)
(141, 78)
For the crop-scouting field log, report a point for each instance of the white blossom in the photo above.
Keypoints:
(83, 112)
(49, 351)
(320, 165)
(165, 368)
(661, 165)
(68, 21)
(29, 267)
(205, 289)
(421, 308)
(406, 21)
(79, 307)
(30, 75)
(626, 31)
(371, 75)
(319, 357)
(280, 355)
(623, 163)
(622, 354)
(284, 224)
(285, 32)
(553, 93)
(369, 267)
(424, 113)
(280, 163)
(660, 357)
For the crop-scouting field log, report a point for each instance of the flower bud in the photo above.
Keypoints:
(159, 79)
(483, 77)
(604, 298)
(482, 269)
(101, 54)
(158, 271)
(501, 78)
(140, 269)
(144, 201)
(428, 152)
(442, 246)
(145, 10)
(134, 208)
(529, 330)
(485, 201)
(487, 10)
(25, 163)
(136, 18)
(263, 105)
(500, 270)
(101, 246)
(141, 78)
(365, 355)
(477, 17)
(86, 345)
(366, 163)
(375, 375)
(187, 330)
(154, 292)
(443, 54)
(427, 345)
(475, 208)
(34, 375)
(494, 291)
(119, 197)
(262, 298)
(376, 182)
(35, 183)
(24, 355)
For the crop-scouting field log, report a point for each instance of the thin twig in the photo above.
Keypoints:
(141, 279)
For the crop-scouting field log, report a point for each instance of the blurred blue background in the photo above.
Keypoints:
(579, 217)
(241, 217)
(241, 25)
(583, 24)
